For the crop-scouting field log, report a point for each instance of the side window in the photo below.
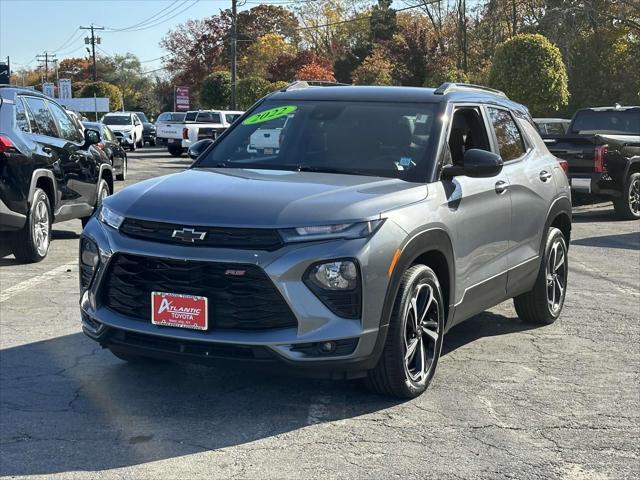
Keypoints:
(510, 140)
(22, 119)
(68, 129)
(467, 131)
(163, 117)
(44, 121)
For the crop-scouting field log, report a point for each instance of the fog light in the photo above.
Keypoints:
(327, 347)
(89, 260)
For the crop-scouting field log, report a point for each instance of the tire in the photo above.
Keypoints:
(152, 143)
(627, 206)
(123, 176)
(543, 303)
(398, 372)
(31, 244)
(176, 151)
(133, 147)
(103, 192)
(141, 143)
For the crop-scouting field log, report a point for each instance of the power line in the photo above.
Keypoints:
(146, 20)
(163, 20)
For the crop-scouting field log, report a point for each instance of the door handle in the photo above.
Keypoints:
(501, 187)
(544, 175)
(46, 149)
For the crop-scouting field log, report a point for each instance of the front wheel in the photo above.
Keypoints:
(123, 176)
(543, 303)
(414, 340)
(176, 151)
(31, 244)
(627, 206)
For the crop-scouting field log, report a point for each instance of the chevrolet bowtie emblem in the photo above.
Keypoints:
(188, 235)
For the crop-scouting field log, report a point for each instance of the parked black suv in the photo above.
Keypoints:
(49, 171)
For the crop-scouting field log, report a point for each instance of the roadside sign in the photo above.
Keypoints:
(182, 99)
(64, 88)
(48, 89)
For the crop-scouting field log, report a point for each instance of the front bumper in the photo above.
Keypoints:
(285, 267)
(10, 220)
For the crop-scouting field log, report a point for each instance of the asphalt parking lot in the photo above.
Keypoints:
(509, 399)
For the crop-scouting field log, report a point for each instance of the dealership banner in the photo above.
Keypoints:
(64, 88)
(182, 99)
(48, 89)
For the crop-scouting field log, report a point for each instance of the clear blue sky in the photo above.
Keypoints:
(29, 27)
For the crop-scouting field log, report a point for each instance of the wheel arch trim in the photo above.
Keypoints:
(37, 174)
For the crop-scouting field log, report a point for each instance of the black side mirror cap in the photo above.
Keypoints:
(198, 147)
(477, 164)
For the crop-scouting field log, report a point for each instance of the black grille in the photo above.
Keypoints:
(187, 347)
(239, 238)
(247, 302)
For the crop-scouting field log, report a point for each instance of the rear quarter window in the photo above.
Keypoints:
(22, 118)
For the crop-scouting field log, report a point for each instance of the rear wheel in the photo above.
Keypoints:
(176, 151)
(152, 143)
(627, 206)
(31, 244)
(103, 192)
(543, 303)
(414, 341)
(132, 147)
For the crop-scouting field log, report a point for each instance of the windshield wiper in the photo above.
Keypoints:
(310, 168)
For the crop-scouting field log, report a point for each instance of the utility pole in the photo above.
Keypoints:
(44, 59)
(234, 41)
(93, 40)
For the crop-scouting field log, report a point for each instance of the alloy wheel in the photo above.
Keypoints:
(421, 332)
(41, 227)
(634, 196)
(556, 274)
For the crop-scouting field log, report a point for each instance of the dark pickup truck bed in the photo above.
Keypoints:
(604, 162)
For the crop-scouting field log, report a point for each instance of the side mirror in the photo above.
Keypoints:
(197, 148)
(477, 164)
(91, 136)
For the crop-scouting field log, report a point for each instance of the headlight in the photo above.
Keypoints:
(109, 217)
(324, 232)
(337, 284)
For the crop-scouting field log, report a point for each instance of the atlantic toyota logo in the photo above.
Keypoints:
(188, 235)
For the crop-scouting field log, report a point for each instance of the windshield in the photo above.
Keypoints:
(142, 117)
(360, 138)
(612, 121)
(116, 120)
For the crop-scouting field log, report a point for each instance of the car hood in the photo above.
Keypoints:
(262, 198)
(121, 128)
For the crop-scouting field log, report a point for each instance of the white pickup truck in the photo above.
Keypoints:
(169, 131)
(200, 124)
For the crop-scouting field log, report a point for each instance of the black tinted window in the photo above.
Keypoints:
(22, 119)
(142, 117)
(209, 117)
(44, 121)
(67, 127)
(190, 117)
(509, 138)
(613, 121)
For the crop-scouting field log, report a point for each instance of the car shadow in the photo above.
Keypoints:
(64, 235)
(486, 324)
(625, 241)
(600, 215)
(69, 406)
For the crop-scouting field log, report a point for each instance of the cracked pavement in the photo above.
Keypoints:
(509, 399)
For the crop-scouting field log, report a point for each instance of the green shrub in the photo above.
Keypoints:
(216, 90)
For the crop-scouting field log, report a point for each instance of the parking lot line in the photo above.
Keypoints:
(27, 284)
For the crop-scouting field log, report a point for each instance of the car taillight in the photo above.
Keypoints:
(5, 144)
(564, 165)
(185, 133)
(598, 158)
(100, 145)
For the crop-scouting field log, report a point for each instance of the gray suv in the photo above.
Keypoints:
(379, 218)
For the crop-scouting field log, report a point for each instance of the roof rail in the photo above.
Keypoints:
(450, 86)
(300, 84)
